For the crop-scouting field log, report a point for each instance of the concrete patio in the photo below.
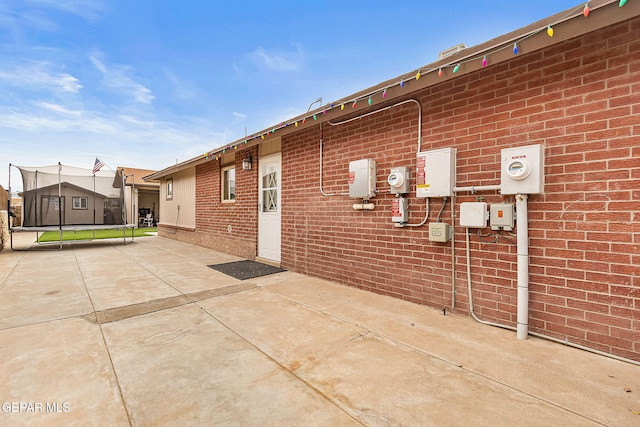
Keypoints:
(146, 334)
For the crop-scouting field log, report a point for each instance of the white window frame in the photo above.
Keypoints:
(77, 203)
(224, 177)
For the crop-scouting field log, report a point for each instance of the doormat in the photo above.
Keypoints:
(247, 269)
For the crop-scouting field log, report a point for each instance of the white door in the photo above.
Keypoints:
(269, 208)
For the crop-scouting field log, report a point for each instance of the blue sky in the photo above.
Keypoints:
(146, 83)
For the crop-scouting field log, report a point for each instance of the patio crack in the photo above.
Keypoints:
(119, 313)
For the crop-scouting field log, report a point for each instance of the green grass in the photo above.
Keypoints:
(54, 236)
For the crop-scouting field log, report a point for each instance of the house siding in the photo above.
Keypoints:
(581, 100)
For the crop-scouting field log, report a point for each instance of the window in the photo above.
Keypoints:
(80, 203)
(170, 189)
(228, 184)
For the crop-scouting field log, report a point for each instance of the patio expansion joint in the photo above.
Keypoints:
(120, 313)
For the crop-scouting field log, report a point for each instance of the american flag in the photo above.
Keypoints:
(97, 165)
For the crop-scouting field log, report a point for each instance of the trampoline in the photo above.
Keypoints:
(66, 198)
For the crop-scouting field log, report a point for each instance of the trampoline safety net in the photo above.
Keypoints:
(66, 195)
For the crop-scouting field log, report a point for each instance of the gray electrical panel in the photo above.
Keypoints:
(362, 178)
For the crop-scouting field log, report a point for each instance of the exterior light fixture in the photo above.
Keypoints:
(246, 163)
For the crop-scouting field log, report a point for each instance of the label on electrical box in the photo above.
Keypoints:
(395, 208)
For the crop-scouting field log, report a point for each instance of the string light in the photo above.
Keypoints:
(485, 62)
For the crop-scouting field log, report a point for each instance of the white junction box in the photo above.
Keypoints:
(473, 214)
(522, 170)
(362, 178)
(436, 173)
(439, 232)
(501, 216)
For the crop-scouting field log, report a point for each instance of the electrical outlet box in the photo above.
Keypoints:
(522, 170)
(439, 232)
(398, 180)
(473, 214)
(436, 173)
(362, 178)
(501, 216)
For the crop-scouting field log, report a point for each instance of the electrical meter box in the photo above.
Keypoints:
(362, 178)
(436, 173)
(399, 180)
(522, 170)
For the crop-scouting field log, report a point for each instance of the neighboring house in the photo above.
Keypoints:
(79, 206)
(141, 197)
(576, 94)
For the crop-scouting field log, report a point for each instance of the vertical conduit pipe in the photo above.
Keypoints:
(522, 221)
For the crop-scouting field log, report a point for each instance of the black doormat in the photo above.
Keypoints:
(247, 269)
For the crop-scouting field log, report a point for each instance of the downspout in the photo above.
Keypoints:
(522, 223)
(453, 252)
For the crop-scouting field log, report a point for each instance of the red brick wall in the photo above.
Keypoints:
(213, 218)
(581, 100)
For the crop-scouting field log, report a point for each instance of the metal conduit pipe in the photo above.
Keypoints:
(421, 223)
(535, 334)
(474, 188)
(360, 117)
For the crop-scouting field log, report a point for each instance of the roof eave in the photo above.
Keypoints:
(568, 24)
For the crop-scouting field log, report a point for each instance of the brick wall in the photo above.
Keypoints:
(581, 100)
(227, 227)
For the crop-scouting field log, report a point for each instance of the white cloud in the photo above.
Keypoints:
(59, 109)
(181, 89)
(117, 77)
(40, 74)
(90, 10)
(278, 60)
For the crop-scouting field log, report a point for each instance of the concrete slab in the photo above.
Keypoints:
(290, 333)
(58, 374)
(29, 295)
(182, 367)
(172, 342)
(384, 383)
(593, 386)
